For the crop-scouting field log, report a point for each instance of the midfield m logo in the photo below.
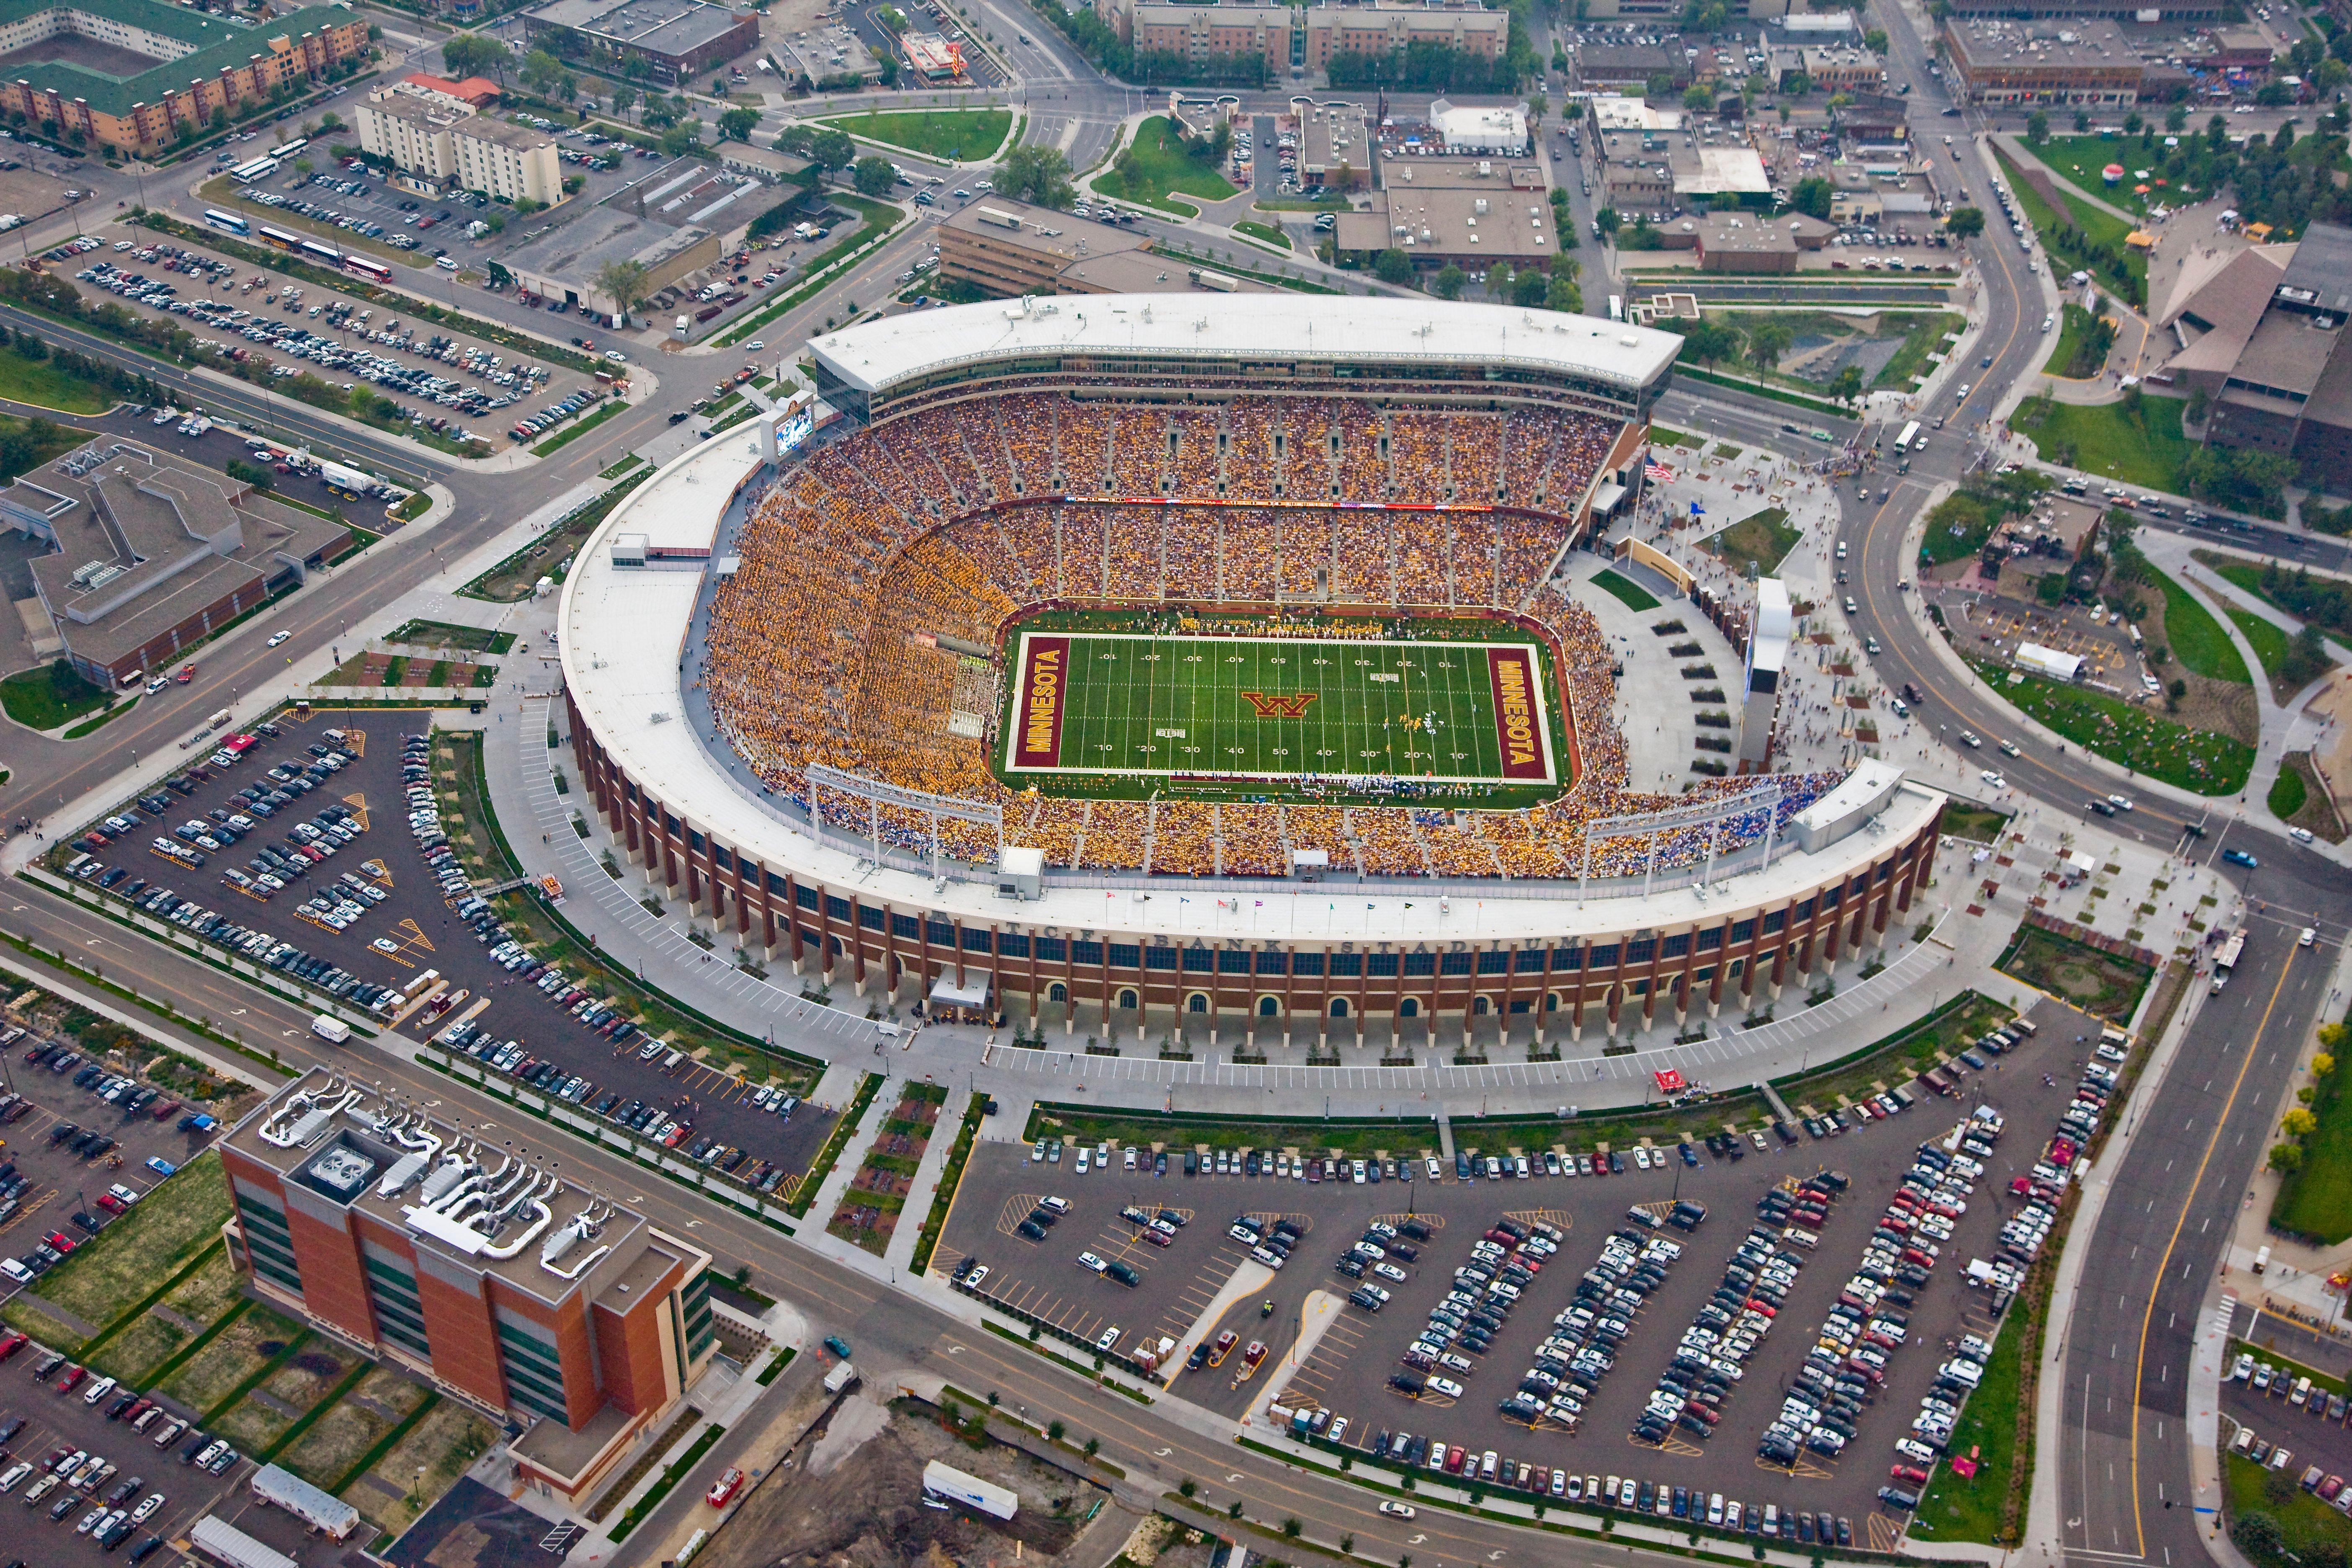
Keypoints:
(1278, 705)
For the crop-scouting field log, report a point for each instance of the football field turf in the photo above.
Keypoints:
(1468, 711)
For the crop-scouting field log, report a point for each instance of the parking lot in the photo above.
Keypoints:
(2261, 1395)
(453, 385)
(361, 913)
(1441, 1223)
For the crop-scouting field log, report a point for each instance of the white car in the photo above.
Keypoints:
(2009, 749)
(1389, 1271)
(158, 684)
(979, 1272)
(1994, 779)
(277, 638)
(147, 1507)
(1445, 1386)
(1396, 1510)
(1089, 1260)
(2120, 802)
(1108, 1338)
(1436, 1172)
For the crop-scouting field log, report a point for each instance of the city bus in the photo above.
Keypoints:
(287, 148)
(1903, 442)
(373, 271)
(260, 168)
(229, 221)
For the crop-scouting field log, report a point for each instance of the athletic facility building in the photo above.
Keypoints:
(544, 1305)
(1160, 665)
(135, 75)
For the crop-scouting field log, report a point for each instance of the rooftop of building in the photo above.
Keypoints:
(2288, 353)
(505, 133)
(1044, 230)
(1498, 223)
(411, 1172)
(477, 90)
(146, 541)
(2319, 279)
(616, 230)
(1740, 234)
(1633, 62)
(1632, 114)
(876, 354)
(1141, 272)
(662, 26)
(2052, 41)
(1463, 174)
(216, 43)
(1330, 137)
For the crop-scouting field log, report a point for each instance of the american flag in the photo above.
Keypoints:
(1658, 472)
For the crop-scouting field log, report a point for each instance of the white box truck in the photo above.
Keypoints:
(330, 1029)
(842, 1375)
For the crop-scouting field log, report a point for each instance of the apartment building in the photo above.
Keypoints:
(439, 143)
(1390, 29)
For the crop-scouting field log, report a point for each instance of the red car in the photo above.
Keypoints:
(724, 1489)
(60, 1240)
(71, 1380)
(1910, 1473)
(11, 1345)
(111, 1203)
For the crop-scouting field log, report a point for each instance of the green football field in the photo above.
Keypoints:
(1129, 713)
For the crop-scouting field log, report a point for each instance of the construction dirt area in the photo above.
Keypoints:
(850, 1495)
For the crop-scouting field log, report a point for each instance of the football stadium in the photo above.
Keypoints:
(1140, 667)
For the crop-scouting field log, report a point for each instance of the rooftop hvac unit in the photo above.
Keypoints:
(1479, 207)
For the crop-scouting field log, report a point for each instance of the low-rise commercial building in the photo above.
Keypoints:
(2081, 59)
(510, 1287)
(149, 555)
(1470, 212)
(667, 40)
(1741, 243)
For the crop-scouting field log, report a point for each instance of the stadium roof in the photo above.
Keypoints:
(1277, 325)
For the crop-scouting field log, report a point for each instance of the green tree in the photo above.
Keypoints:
(1447, 284)
(1564, 294)
(2037, 128)
(1874, 40)
(1965, 223)
(1708, 342)
(623, 100)
(2176, 119)
(1699, 97)
(623, 282)
(737, 124)
(2298, 1123)
(1811, 195)
(1768, 340)
(1392, 266)
(1607, 221)
(1040, 176)
(874, 175)
(682, 139)
(541, 71)
(1846, 385)
(831, 150)
(1531, 289)
(470, 54)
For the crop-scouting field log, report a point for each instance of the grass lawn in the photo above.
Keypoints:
(235, 1354)
(2196, 638)
(1633, 594)
(2101, 229)
(1910, 360)
(2077, 159)
(129, 1259)
(42, 383)
(1264, 233)
(2288, 792)
(442, 1445)
(46, 698)
(1660, 434)
(2312, 1532)
(1757, 542)
(442, 634)
(2139, 738)
(1979, 824)
(2317, 1200)
(965, 135)
(2267, 638)
(2248, 575)
(2105, 439)
(1970, 1508)
(106, 717)
(357, 1422)
(2073, 327)
(150, 1339)
(1157, 169)
(2096, 981)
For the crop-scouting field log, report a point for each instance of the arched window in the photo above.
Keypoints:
(1480, 1008)
(1339, 1006)
(1058, 991)
(1196, 1003)
(1269, 1007)
(1409, 1008)
(1127, 998)
(1551, 1002)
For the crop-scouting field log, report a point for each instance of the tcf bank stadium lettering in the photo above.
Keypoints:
(1042, 685)
(1520, 730)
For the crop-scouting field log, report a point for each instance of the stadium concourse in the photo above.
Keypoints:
(1008, 465)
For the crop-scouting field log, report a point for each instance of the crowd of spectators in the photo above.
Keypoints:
(825, 642)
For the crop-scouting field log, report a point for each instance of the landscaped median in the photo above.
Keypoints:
(950, 135)
(951, 1177)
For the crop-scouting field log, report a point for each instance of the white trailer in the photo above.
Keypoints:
(224, 1543)
(321, 1510)
(840, 1378)
(947, 1481)
(349, 483)
(2035, 659)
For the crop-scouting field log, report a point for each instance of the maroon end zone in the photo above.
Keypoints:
(1045, 679)
(1518, 725)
